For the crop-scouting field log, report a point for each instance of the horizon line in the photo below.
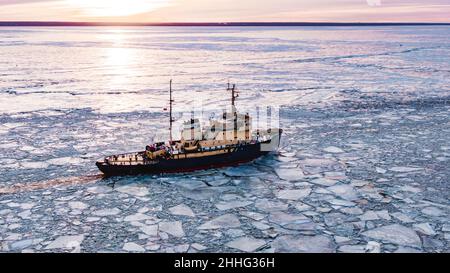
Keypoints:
(275, 23)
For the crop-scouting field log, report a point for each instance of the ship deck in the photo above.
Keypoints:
(137, 158)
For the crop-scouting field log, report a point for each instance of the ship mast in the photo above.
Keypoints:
(234, 94)
(170, 110)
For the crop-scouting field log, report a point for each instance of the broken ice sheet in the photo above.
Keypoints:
(388, 146)
(290, 174)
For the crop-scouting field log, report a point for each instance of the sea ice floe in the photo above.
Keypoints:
(402, 217)
(19, 245)
(27, 205)
(218, 182)
(291, 221)
(383, 214)
(172, 228)
(182, 209)
(318, 162)
(302, 207)
(198, 246)
(68, 242)
(405, 169)
(253, 215)
(433, 211)
(293, 194)
(396, 234)
(352, 249)
(373, 247)
(78, 205)
(333, 149)
(335, 219)
(137, 217)
(424, 228)
(301, 244)
(150, 230)
(410, 189)
(344, 191)
(247, 244)
(191, 184)
(269, 205)
(290, 174)
(352, 210)
(224, 221)
(106, 212)
(133, 189)
(242, 171)
(260, 225)
(64, 161)
(226, 205)
(3, 130)
(133, 247)
(369, 216)
(34, 165)
(200, 194)
(324, 181)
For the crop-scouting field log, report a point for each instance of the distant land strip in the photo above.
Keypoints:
(194, 24)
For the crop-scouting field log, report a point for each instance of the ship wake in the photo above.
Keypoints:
(66, 181)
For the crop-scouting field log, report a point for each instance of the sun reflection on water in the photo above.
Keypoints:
(119, 60)
(120, 70)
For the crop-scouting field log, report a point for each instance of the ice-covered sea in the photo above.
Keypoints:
(363, 165)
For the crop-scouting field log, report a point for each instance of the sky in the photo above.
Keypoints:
(226, 10)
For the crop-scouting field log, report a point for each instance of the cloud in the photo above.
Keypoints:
(374, 2)
(303, 10)
(226, 10)
(108, 8)
(49, 10)
(15, 2)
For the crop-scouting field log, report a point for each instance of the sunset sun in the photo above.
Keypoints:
(112, 8)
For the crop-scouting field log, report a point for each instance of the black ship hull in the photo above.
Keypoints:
(243, 154)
